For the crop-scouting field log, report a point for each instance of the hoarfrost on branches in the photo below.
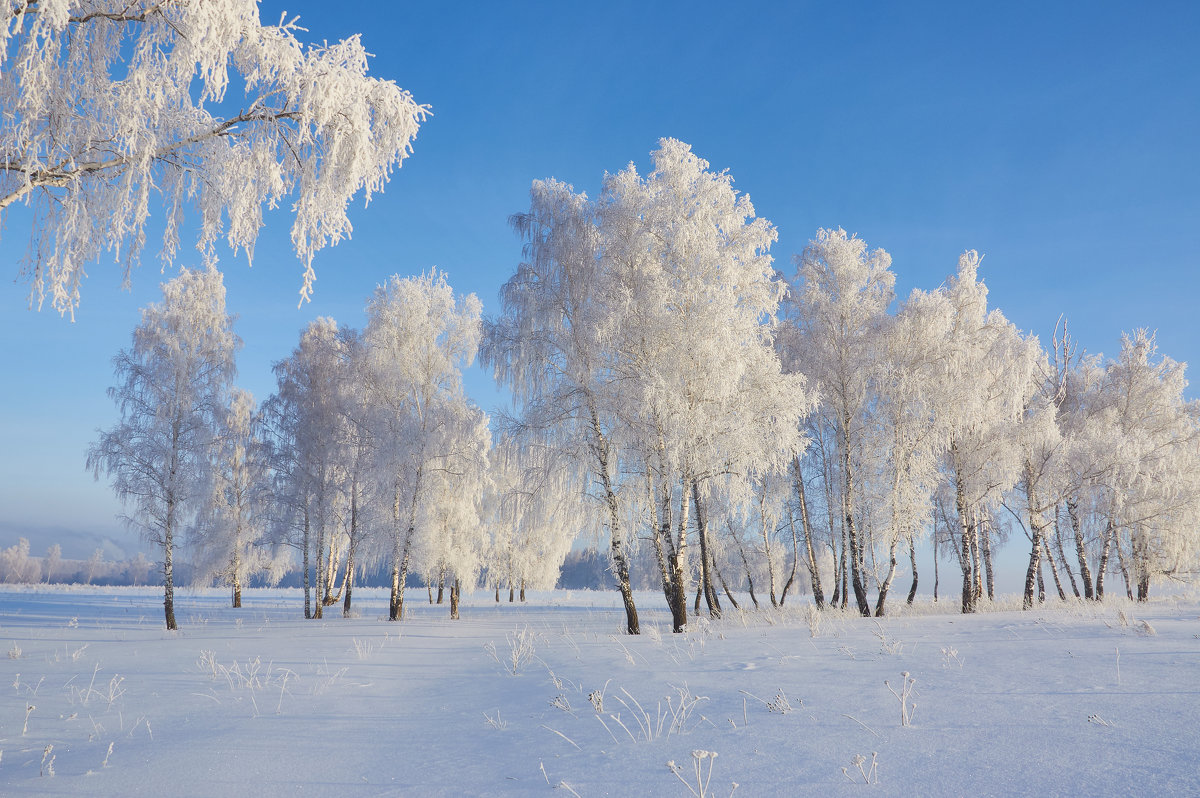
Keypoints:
(172, 388)
(111, 102)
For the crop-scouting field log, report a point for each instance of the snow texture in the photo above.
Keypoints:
(522, 699)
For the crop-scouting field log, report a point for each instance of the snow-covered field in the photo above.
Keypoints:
(97, 698)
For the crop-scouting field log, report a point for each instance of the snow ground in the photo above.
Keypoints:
(1074, 700)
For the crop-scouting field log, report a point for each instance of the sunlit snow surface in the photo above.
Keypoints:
(1077, 700)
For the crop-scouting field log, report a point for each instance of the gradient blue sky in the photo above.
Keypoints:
(1059, 139)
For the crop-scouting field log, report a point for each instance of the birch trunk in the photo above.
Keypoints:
(1062, 595)
(620, 565)
(1062, 555)
(912, 556)
(1124, 568)
(990, 574)
(350, 552)
(706, 561)
(1102, 566)
(307, 586)
(749, 575)
(814, 571)
(860, 592)
(1080, 550)
(168, 566)
(795, 560)
(964, 554)
(887, 582)
(1037, 526)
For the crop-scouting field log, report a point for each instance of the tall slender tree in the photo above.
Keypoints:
(172, 387)
(839, 307)
(429, 438)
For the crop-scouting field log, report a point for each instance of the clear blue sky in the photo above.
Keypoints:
(1059, 139)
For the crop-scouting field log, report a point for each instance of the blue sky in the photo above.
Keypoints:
(1059, 139)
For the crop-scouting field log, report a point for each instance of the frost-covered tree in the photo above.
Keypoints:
(550, 346)
(906, 433)
(450, 523)
(53, 560)
(990, 376)
(16, 566)
(230, 537)
(428, 436)
(1150, 497)
(172, 387)
(534, 511)
(839, 306)
(116, 107)
(687, 269)
(92, 568)
(304, 439)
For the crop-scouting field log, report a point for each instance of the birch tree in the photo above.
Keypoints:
(116, 107)
(1151, 497)
(304, 423)
(907, 432)
(550, 346)
(690, 266)
(231, 534)
(535, 511)
(418, 339)
(990, 379)
(172, 387)
(839, 304)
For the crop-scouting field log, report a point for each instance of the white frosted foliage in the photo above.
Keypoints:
(115, 108)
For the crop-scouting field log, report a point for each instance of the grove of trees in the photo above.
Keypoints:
(678, 400)
(675, 397)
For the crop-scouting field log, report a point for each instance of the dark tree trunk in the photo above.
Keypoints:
(706, 555)
(985, 541)
(350, 552)
(399, 577)
(1080, 551)
(1033, 573)
(935, 566)
(886, 585)
(319, 572)
(725, 587)
(1062, 595)
(169, 567)
(1124, 569)
(1102, 566)
(454, 588)
(746, 567)
(856, 578)
(966, 524)
(1062, 555)
(814, 571)
(795, 563)
(349, 586)
(912, 556)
